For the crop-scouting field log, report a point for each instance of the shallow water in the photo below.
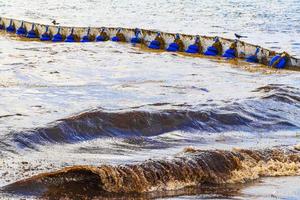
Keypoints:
(116, 103)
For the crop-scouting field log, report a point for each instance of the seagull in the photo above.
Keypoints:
(239, 36)
(54, 22)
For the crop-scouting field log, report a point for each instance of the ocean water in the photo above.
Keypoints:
(91, 104)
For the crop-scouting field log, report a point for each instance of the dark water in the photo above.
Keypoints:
(93, 104)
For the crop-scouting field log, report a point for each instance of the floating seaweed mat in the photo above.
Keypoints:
(154, 39)
(192, 167)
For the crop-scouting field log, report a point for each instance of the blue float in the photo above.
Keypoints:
(21, 31)
(45, 36)
(282, 61)
(115, 39)
(136, 39)
(194, 48)
(57, 37)
(253, 58)
(155, 44)
(11, 28)
(70, 38)
(229, 54)
(100, 38)
(211, 50)
(32, 34)
(173, 47)
(86, 38)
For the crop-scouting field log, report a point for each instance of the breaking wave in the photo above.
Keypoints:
(192, 167)
(276, 108)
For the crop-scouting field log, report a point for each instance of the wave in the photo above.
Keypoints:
(277, 108)
(192, 167)
(281, 93)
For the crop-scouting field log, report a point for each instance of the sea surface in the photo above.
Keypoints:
(91, 104)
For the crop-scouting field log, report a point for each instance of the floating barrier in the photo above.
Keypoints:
(119, 37)
(191, 44)
(103, 36)
(86, 38)
(196, 47)
(231, 52)
(177, 45)
(157, 43)
(57, 37)
(173, 47)
(215, 49)
(21, 30)
(136, 39)
(11, 28)
(253, 58)
(279, 61)
(32, 33)
(46, 36)
(71, 37)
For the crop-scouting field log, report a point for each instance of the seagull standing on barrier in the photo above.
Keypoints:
(239, 36)
(55, 23)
